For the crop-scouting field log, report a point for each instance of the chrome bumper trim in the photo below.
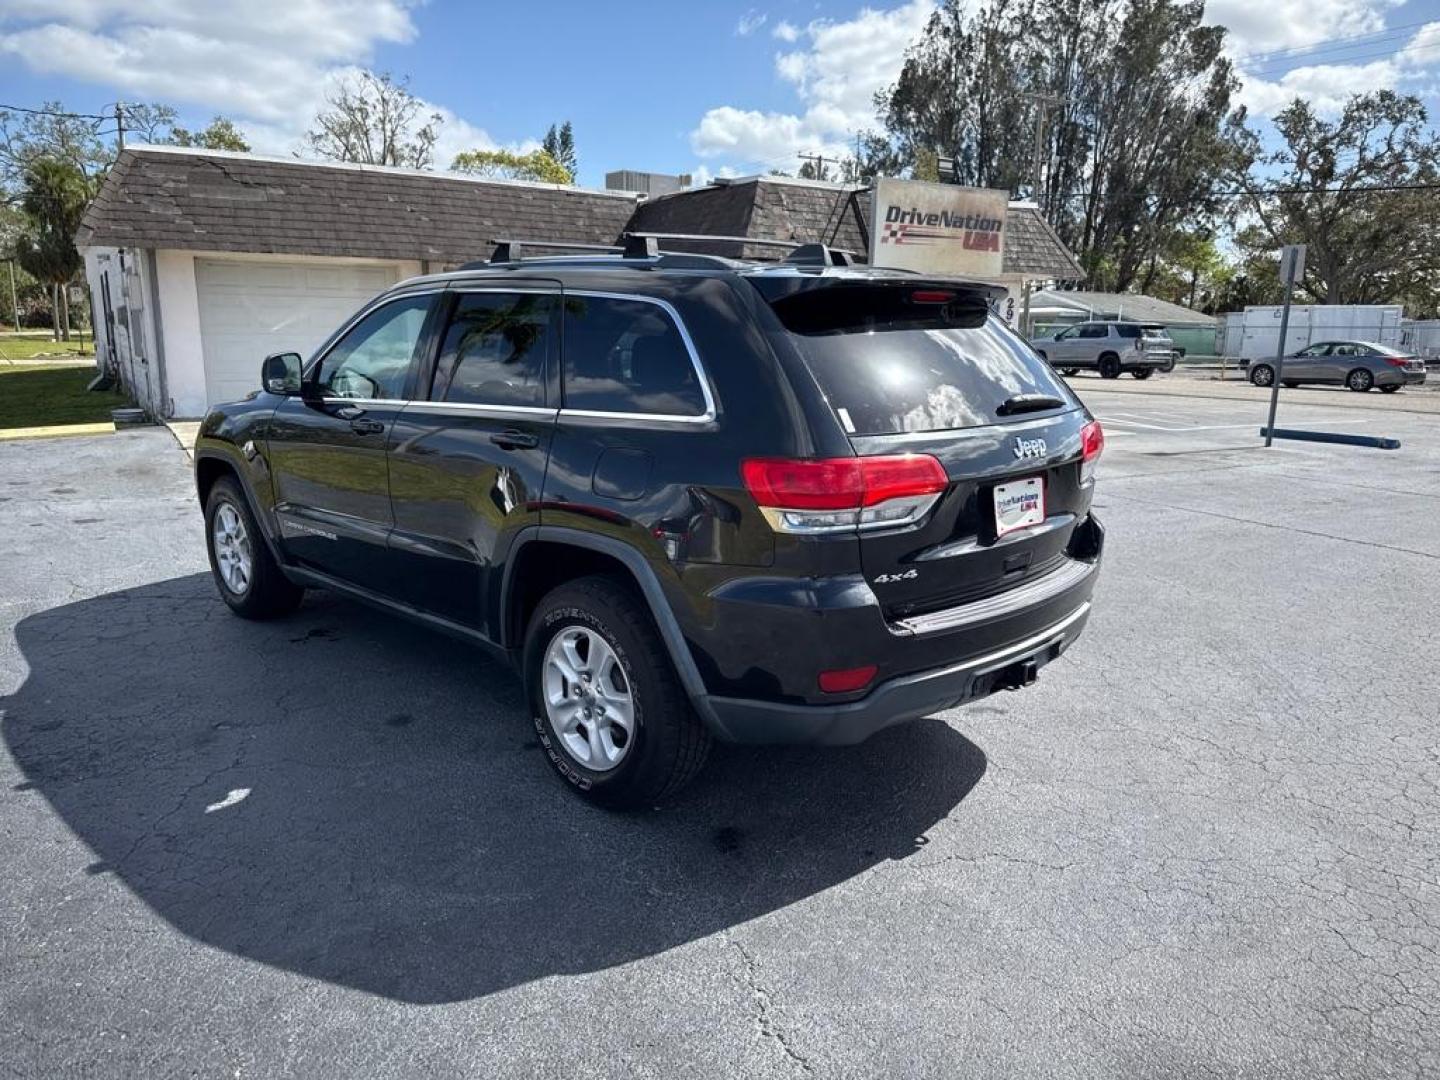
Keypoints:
(1063, 577)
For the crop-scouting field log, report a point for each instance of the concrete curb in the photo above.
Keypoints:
(58, 431)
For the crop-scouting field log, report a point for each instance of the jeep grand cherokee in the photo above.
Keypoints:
(688, 498)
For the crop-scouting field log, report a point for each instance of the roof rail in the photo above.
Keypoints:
(507, 251)
(757, 241)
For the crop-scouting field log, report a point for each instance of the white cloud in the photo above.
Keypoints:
(266, 64)
(1288, 24)
(1327, 86)
(751, 21)
(786, 31)
(835, 75)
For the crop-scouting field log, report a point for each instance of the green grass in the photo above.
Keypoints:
(37, 396)
(24, 348)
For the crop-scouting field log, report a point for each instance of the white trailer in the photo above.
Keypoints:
(1422, 337)
(1254, 333)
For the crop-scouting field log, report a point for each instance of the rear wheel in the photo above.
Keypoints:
(1360, 380)
(1262, 374)
(1070, 372)
(1169, 365)
(1143, 372)
(611, 714)
(1389, 389)
(249, 578)
(1110, 366)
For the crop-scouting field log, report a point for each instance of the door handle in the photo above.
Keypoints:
(515, 440)
(364, 426)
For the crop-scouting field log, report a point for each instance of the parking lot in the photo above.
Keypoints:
(1205, 843)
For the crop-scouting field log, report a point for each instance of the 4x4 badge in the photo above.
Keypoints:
(1028, 448)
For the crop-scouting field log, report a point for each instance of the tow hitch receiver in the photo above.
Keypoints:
(1020, 675)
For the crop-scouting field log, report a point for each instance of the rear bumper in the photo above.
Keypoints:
(1414, 378)
(778, 639)
(905, 698)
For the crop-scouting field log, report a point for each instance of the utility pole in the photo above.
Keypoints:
(1043, 104)
(819, 160)
(120, 124)
(14, 303)
(1292, 269)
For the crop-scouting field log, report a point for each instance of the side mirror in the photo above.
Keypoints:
(280, 374)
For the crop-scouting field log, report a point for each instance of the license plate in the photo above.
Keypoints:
(1019, 504)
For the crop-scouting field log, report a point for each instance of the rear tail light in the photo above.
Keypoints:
(1398, 361)
(1092, 442)
(847, 680)
(828, 495)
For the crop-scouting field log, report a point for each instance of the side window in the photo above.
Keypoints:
(627, 356)
(1066, 335)
(1094, 330)
(373, 359)
(495, 350)
(1127, 330)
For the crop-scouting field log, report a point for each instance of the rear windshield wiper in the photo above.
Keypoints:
(1023, 403)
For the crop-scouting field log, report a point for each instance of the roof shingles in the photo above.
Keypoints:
(209, 201)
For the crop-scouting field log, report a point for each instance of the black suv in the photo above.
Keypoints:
(688, 497)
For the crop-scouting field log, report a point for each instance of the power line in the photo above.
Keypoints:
(53, 112)
(1335, 42)
(1411, 51)
(1270, 191)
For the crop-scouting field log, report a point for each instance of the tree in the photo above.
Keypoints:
(375, 120)
(560, 145)
(1358, 191)
(220, 135)
(55, 196)
(1139, 133)
(508, 165)
(49, 133)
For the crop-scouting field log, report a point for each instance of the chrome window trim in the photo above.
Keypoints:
(363, 401)
(706, 417)
(471, 408)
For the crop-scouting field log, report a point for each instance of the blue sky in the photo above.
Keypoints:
(708, 88)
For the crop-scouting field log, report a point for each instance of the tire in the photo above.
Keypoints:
(1389, 389)
(259, 589)
(1142, 372)
(1069, 372)
(1110, 366)
(666, 743)
(1359, 380)
(1169, 365)
(1262, 374)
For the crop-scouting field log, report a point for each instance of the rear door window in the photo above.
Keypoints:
(1094, 330)
(891, 364)
(495, 350)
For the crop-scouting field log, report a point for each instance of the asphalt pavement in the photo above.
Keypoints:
(1205, 843)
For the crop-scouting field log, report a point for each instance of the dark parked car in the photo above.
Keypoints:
(1358, 365)
(688, 498)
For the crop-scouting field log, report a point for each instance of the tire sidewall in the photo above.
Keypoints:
(1366, 379)
(1109, 366)
(223, 493)
(550, 620)
(1270, 373)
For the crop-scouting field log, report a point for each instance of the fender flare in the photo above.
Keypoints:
(650, 589)
(232, 461)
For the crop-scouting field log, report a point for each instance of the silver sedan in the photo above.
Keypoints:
(1358, 365)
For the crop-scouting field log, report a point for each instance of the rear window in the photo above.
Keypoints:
(891, 364)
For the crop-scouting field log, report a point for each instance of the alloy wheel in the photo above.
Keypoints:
(233, 556)
(588, 699)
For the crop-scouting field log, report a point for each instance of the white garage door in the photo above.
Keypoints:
(251, 309)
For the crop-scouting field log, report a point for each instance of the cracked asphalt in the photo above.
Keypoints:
(1204, 844)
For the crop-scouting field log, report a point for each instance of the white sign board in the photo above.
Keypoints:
(939, 229)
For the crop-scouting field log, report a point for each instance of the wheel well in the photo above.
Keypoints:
(207, 471)
(1353, 370)
(1107, 355)
(543, 565)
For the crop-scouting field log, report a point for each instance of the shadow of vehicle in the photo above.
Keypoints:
(351, 798)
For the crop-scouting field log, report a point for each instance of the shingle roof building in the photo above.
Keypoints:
(201, 200)
(157, 197)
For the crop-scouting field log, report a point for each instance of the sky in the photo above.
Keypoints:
(704, 87)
